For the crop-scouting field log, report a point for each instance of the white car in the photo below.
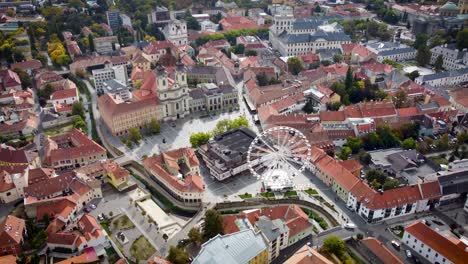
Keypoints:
(408, 253)
(350, 226)
(93, 206)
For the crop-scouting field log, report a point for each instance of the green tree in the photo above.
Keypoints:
(337, 58)
(344, 153)
(421, 41)
(154, 126)
(409, 129)
(364, 157)
(134, 135)
(391, 17)
(400, 99)
(238, 122)
(24, 77)
(91, 42)
(423, 56)
(309, 107)
(349, 80)
(409, 143)
(413, 75)
(387, 137)
(178, 256)
(462, 39)
(199, 138)
(354, 143)
(238, 49)
(442, 143)
(213, 224)
(439, 63)
(333, 106)
(46, 92)
(195, 235)
(372, 141)
(192, 23)
(262, 79)
(317, 9)
(251, 53)
(334, 245)
(79, 123)
(390, 184)
(295, 65)
(78, 109)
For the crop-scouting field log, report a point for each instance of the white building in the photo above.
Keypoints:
(453, 58)
(173, 94)
(109, 72)
(176, 32)
(207, 25)
(66, 97)
(392, 50)
(293, 37)
(433, 246)
(447, 78)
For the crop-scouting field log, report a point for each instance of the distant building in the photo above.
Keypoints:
(105, 45)
(307, 255)
(113, 20)
(177, 171)
(377, 252)
(109, 72)
(115, 87)
(446, 78)
(226, 154)
(243, 247)
(392, 51)
(176, 32)
(160, 15)
(211, 97)
(207, 25)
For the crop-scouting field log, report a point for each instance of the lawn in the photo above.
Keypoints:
(290, 193)
(439, 160)
(141, 249)
(58, 130)
(311, 191)
(322, 223)
(245, 196)
(123, 223)
(105, 225)
(267, 194)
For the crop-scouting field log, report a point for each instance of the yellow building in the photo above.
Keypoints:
(117, 176)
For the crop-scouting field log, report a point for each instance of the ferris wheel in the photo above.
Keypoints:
(278, 154)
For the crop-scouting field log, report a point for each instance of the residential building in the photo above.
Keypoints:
(96, 62)
(160, 15)
(177, 171)
(206, 74)
(392, 50)
(109, 72)
(85, 235)
(9, 80)
(156, 49)
(117, 176)
(243, 247)
(452, 57)
(276, 233)
(251, 43)
(14, 173)
(115, 87)
(446, 78)
(113, 20)
(176, 32)
(307, 255)
(66, 97)
(12, 232)
(211, 97)
(28, 66)
(226, 154)
(71, 150)
(173, 93)
(433, 246)
(105, 45)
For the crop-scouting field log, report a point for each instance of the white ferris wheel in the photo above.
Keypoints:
(277, 155)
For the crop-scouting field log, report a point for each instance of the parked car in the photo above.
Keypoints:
(93, 206)
(408, 253)
(350, 226)
(396, 245)
(100, 217)
(87, 210)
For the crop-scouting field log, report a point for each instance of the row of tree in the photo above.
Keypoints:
(201, 138)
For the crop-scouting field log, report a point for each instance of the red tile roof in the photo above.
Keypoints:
(326, 116)
(12, 229)
(116, 170)
(27, 65)
(455, 253)
(9, 79)
(64, 94)
(232, 23)
(158, 165)
(408, 111)
(381, 251)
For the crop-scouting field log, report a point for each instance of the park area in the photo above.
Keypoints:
(142, 249)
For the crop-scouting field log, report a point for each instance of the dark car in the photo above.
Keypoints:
(87, 210)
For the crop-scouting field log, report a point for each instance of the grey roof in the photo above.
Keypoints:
(113, 86)
(302, 23)
(327, 54)
(445, 74)
(236, 248)
(49, 117)
(315, 36)
(403, 160)
(271, 229)
(196, 93)
(396, 51)
(454, 182)
(383, 45)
